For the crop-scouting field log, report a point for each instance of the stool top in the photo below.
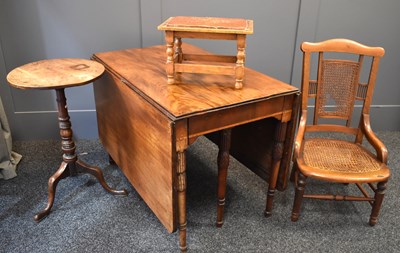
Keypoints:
(55, 73)
(208, 24)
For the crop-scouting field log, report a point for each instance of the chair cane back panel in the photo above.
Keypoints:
(336, 89)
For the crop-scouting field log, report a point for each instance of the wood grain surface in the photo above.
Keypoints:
(147, 124)
(55, 73)
(208, 24)
(139, 139)
(196, 93)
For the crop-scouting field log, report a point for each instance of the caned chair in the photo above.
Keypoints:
(337, 91)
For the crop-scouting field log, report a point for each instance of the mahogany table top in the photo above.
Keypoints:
(196, 93)
(55, 73)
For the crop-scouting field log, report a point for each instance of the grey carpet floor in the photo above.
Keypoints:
(85, 218)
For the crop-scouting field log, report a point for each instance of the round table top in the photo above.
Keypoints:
(55, 73)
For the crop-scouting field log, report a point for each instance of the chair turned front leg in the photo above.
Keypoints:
(379, 194)
(298, 197)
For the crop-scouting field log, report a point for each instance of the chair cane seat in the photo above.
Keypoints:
(325, 158)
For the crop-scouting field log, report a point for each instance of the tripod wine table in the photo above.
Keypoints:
(59, 74)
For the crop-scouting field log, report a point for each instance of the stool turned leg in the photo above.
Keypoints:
(170, 65)
(178, 57)
(223, 163)
(241, 55)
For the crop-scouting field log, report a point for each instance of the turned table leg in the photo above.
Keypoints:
(111, 160)
(277, 152)
(181, 173)
(223, 163)
(70, 165)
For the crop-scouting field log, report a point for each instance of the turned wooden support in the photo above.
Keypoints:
(67, 144)
(379, 194)
(178, 56)
(67, 167)
(241, 55)
(70, 166)
(181, 175)
(170, 66)
(280, 134)
(223, 163)
(299, 193)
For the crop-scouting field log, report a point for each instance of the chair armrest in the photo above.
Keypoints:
(300, 134)
(378, 145)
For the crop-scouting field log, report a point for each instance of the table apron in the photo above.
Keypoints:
(279, 108)
(205, 35)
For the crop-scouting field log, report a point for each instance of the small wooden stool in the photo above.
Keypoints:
(59, 74)
(180, 27)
